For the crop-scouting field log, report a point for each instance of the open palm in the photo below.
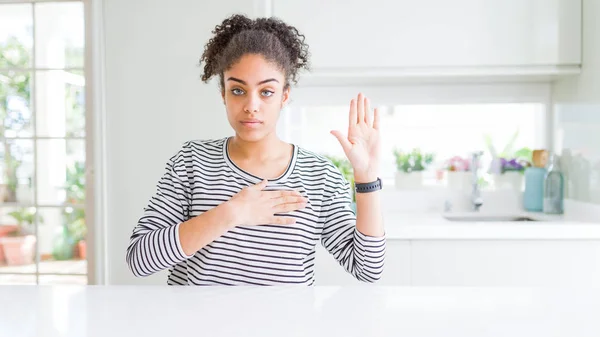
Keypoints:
(362, 145)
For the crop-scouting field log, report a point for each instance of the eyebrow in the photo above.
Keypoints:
(259, 83)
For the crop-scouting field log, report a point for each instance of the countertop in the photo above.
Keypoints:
(432, 226)
(368, 310)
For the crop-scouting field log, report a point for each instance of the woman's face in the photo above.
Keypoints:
(253, 95)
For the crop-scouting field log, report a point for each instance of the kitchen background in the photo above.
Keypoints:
(451, 78)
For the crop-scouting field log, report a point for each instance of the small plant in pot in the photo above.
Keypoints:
(458, 175)
(511, 173)
(410, 167)
(78, 230)
(19, 245)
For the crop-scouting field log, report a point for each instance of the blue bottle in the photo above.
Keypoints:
(533, 196)
(553, 188)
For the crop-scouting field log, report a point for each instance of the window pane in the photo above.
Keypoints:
(17, 239)
(60, 103)
(63, 279)
(15, 104)
(459, 130)
(62, 240)
(16, 164)
(61, 171)
(16, 36)
(442, 130)
(17, 279)
(59, 35)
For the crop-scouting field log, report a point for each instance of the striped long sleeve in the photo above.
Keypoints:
(361, 255)
(202, 175)
(154, 244)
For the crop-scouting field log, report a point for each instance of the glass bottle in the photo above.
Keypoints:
(553, 187)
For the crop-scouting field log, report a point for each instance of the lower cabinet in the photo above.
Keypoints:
(478, 263)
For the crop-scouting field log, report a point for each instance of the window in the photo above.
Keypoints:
(457, 124)
(42, 143)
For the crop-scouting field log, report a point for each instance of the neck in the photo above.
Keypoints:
(264, 149)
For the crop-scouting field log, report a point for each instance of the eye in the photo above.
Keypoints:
(267, 93)
(237, 91)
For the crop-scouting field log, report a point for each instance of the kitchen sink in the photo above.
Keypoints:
(486, 217)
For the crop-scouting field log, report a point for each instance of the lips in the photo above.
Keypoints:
(251, 123)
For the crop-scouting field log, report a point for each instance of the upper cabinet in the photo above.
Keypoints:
(408, 36)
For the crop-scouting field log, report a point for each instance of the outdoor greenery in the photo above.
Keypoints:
(16, 116)
(15, 98)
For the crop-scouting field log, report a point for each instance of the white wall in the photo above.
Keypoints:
(577, 117)
(154, 101)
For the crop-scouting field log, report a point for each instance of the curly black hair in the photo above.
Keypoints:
(272, 38)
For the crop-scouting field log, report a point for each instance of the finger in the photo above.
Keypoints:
(261, 185)
(285, 208)
(288, 200)
(360, 108)
(352, 114)
(281, 220)
(376, 119)
(279, 194)
(368, 115)
(343, 140)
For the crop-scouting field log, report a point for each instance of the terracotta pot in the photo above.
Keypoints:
(4, 231)
(82, 249)
(19, 250)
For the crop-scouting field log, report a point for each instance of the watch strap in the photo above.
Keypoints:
(368, 187)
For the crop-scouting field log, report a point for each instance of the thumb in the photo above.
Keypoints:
(343, 140)
(261, 185)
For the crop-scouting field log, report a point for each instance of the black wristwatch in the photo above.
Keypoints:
(368, 187)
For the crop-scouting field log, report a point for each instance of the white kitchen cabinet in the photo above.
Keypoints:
(478, 263)
(505, 262)
(392, 36)
(396, 271)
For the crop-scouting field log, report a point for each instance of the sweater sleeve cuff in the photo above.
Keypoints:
(368, 240)
(180, 251)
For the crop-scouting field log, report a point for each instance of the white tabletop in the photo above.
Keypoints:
(297, 311)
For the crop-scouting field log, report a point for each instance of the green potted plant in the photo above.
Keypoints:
(410, 166)
(346, 169)
(19, 245)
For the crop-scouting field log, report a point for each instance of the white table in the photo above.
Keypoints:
(297, 311)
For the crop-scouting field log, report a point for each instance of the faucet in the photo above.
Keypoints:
(476, 200)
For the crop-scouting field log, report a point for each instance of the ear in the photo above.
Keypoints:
(286, 96)
(223, 95)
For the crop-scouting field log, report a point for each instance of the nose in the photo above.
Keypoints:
(252, 104)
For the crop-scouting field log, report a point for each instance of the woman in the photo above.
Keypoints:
(249, 209)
